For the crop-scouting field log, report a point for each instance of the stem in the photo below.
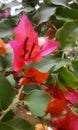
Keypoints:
(14, 102)
(42, 123)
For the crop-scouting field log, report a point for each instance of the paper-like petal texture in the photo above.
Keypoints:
(48, 47)
(68, 122)
(55, 107)
(33, 76)
(26, 47)
(25, 29)
(72, 96)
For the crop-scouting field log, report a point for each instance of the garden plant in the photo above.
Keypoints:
(39, 65)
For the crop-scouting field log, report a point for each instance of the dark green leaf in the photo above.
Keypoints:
(68, 34)
(6, 92)
(5, 28)
(57, 23)
(4, 126)
(1, 64)
(27, 89)
(75, 67)
(37, 101)
(75, 64)
(21, 124)
(7, 60)
(66, 14)
(68, 78)
(74, 5)
(8, 116)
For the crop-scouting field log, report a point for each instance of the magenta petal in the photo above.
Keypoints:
(68, 122)
(18, 62)
(25, 29)
(49, 47)
(72, 97)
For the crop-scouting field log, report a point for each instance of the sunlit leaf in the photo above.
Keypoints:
(59, 2)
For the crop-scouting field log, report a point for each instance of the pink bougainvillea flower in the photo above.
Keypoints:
(71, 96)
(67, 122)
(25, 30)
(4, 14)
(48, 47)
(55, 107)
(33, 76)
(26, 47)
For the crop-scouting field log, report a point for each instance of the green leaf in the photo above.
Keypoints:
(74, 5)
(6, 61)
(1, 64)
(11, 80)
(59, 2)
(68, 34)
(57, 23)
(45, 12)
(50, 62)
(6, 28)
(37, 101)
(44, 65)
(66, 14)
(58, 63)
(4, 126)
(6, 92)
(75, 67)
(68, 78)
(8, 116)
(20, 124)
(28, 88)
(75, 64)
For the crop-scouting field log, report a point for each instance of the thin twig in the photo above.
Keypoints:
(14, 102)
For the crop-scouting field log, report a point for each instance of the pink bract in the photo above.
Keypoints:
(48, 47)
(26, 47)
(68, 122)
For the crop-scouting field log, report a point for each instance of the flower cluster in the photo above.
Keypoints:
(26, 46)
(29, 49)
(26, 49)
